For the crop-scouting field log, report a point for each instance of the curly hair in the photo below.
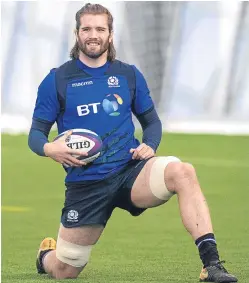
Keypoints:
(94, 9)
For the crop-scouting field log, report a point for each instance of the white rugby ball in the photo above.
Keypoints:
(85, 141)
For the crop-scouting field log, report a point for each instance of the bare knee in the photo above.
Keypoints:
(178, 174)
(66, 271)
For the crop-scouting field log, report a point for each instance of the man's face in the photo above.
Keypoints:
(94, 36)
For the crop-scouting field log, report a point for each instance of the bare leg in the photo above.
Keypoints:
(179, 178)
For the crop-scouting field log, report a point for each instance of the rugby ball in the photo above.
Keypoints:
(85, 141)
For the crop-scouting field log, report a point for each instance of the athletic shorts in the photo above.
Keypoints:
(92, 202)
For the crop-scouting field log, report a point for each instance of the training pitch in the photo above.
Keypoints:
(153, 247)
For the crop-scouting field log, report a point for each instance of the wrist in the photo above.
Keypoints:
(151, 145)
(46, 148)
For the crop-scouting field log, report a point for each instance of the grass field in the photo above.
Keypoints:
(151, 248)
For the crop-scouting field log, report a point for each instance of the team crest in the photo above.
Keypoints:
(113, 81)
(72, 216)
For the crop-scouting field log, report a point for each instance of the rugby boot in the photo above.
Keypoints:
(216, 272)
(47, 244)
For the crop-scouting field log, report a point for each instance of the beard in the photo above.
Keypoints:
(93, 52)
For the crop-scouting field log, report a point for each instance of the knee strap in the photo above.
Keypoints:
(72, 254)
(157, 179)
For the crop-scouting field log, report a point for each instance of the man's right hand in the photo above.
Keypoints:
(60, 152)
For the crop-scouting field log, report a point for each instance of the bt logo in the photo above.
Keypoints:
(84, 110)
(110, 105)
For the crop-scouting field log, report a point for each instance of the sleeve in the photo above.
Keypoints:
(152, 128)
(143, 109)
(38, 136)
(47, 106)
(142, 101)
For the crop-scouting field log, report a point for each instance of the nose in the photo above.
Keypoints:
(93, 33)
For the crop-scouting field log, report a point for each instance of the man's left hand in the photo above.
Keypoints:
(143, 151)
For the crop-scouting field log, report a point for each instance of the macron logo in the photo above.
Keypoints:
(82, 84)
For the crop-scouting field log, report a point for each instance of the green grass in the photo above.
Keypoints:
(151, 248)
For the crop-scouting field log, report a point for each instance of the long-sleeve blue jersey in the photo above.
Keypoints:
(101, 100)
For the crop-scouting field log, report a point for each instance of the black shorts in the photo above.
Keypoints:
(92, 202)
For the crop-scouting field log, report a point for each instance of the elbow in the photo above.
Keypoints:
(33, 143)
(30, 141)
(36, 139)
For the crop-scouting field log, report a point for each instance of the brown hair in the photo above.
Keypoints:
(94, 9)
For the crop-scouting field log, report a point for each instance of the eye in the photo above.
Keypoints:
(101, 29)
(85, 29)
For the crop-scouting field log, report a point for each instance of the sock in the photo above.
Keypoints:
(41, 258)
(207, 249)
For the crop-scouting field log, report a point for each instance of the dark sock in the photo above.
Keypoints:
(207, 249)
(42, 254)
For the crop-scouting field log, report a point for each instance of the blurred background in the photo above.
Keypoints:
(194, 56)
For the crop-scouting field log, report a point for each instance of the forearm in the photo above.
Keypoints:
(152, 135)
(152, 128)
(38, 136)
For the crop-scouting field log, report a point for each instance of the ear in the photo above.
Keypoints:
(76, 35)
(111, 37)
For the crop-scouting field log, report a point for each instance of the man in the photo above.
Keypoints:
(127, 174)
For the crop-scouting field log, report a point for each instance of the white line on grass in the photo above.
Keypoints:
(15, 208)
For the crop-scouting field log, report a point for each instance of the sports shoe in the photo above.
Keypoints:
(47, 244)
(216, 272)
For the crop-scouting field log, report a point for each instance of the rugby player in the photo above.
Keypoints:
(127, 174)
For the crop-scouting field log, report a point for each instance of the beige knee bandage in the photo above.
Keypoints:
(157, 179)
(72, 254)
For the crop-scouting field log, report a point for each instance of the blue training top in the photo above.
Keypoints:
(101, 100)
